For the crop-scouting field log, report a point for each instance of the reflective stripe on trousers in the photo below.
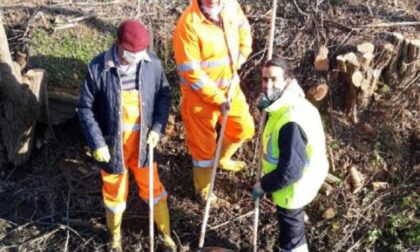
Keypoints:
(115, 186)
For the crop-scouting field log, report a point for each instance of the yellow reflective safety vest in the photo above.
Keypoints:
(293, 107)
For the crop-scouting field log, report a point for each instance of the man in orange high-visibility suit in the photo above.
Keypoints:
(212, 40)
(123, 110)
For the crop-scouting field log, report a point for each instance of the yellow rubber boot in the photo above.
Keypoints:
(202, 179)
(226, 162)
(113, 223)
(161, 214)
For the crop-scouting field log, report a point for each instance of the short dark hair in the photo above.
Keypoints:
(279, 62)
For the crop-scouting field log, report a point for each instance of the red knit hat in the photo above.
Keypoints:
(133, 36)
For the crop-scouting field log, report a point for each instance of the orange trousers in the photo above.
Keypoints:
(200, 119)
(115, 186)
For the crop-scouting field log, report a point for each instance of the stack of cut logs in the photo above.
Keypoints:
(397, 61)
(360, 71)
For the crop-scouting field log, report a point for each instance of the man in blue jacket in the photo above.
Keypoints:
(123, 109)
(294, 152)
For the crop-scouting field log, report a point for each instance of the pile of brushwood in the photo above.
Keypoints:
(364, 53)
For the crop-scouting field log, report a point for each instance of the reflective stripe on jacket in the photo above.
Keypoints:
(293, 107)
(206, 54)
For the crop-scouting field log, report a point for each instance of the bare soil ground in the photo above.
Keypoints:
(53, 202)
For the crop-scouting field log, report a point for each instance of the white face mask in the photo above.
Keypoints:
(133, 58)
(213, 12)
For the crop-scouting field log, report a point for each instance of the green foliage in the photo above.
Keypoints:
(64, 54)
(335, 145)
(400, 231)
(374, 235)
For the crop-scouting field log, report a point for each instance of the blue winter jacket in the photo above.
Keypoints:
(99, 107)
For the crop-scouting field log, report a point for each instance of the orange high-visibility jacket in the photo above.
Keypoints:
(206, 55)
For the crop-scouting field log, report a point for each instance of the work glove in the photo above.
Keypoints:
(101, 154)
(153, 139)
(257, 191)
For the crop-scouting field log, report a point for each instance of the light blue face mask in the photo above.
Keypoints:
(273, 93)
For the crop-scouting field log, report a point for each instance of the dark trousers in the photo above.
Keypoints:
(292, 228)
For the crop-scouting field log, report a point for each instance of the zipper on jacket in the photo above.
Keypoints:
(141, 111)
(121, 121)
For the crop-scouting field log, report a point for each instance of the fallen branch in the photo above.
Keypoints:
(299, 9)
(82, 18)
(234, 219)
(87, 3)
(381, 25)
(41, 237)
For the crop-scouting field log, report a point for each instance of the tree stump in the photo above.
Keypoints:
(21, 98)
(404, 66)
(361, 72)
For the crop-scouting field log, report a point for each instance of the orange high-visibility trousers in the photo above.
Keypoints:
(200, 120)
(115, 186)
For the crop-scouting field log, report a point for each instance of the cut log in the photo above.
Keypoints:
(366, 47)
(341, 63)
(365, 61)
(364, 87)
(356, 179)
(331, 179)
(357, 78)
(318, 92)
(352, 65)
(329, 213)
(352, 61)
(326, 188)
(377, 185)
(321, 62)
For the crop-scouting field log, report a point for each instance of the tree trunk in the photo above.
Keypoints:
(20, 104)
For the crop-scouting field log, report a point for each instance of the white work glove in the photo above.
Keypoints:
(101, 154)
(153, 139)
(257, 191)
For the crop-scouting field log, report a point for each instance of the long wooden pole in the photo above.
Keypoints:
(151, 201)
(213, 173)
(259, 148)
